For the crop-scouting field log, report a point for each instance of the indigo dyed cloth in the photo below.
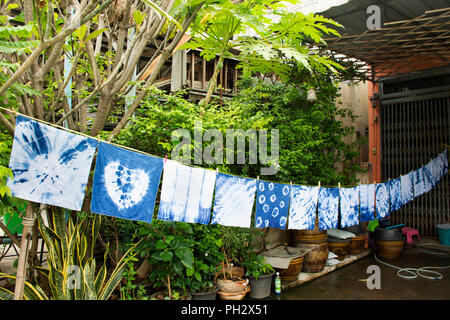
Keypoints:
(303, 206)
(349, 199)
(440, 166)
(407, 188)
(186, 193)
(49, 165)
(272, 204)
(382, 200)
(367, 202)
(328, 208)
(422, 181)
(125, 183)
(234, 197)
(395, 194)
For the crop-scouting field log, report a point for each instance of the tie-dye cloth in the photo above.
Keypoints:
(407, 188)
(303, 206)
(328, 208)
(438, 167)
(382, 200)
(422, 180)
(349, 199)
(186, 193)
(50, 165)
(233, 204)
(395, 194)
(272, 204)
(125, 183)
(367, 202)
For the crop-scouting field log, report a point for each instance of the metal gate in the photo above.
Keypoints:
(415, 125)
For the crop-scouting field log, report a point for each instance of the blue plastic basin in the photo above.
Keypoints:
(444, 233)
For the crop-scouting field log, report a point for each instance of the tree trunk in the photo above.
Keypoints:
(213, 81)
(103, 110)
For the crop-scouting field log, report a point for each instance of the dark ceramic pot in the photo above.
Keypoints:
(382, 234)
(357, 229)
(205, 295)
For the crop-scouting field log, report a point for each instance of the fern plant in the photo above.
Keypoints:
(72, 272)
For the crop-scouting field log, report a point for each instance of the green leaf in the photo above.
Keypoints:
(160, 11)
(187, 259)
(190, 271)
(17, 46)
(160, 245)
(138, 17)
(94, 34)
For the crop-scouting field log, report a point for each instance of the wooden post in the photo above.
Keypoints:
(225, 82)
(28, 222)
(192, 68)
(204, 74)
(235, 79)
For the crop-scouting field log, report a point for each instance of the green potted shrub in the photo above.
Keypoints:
(170, 252)
(259, 275)
(207, 255)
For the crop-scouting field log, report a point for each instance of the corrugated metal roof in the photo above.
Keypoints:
(352, 15)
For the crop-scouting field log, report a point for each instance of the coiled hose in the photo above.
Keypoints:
(424, 272)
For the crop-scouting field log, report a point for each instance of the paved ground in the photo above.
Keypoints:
(344, 283)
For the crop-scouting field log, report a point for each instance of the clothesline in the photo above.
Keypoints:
(52, 166)
(190, 165)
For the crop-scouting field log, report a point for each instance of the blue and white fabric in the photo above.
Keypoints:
(367, 202)
(186, 193)
(50, 165)
(395, 194)
(303, 207)
(125, 183)
(328, 208)
(272, 204)
(233, 203)
(349, 200)
(382, 200)
(422, 181)
(407, 188)
(439, 167)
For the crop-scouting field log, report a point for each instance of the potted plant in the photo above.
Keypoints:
(235, 241)
(259, 274)
(207, 255)
(170, 252)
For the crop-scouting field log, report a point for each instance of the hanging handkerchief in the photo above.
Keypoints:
(395, 193)
(407, 188)
(125, 183)
(382, 200)
(49, 165)
(233, 204)
(272, 205)
(349, 199)
(367, 201)
(303, 206)
(439, 167)
(422, 181)
(328, 208)
(186, 193)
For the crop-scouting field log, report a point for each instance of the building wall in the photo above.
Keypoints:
(354, 97)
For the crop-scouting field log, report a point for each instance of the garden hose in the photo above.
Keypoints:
(424, 272)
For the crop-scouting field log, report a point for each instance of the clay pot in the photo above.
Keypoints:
(233, 295)
(316, 258)
(389, 249)
(232, 285)
(357, 244)
(340, 247)
(382, 234)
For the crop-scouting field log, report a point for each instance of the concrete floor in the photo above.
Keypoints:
(344, 284)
